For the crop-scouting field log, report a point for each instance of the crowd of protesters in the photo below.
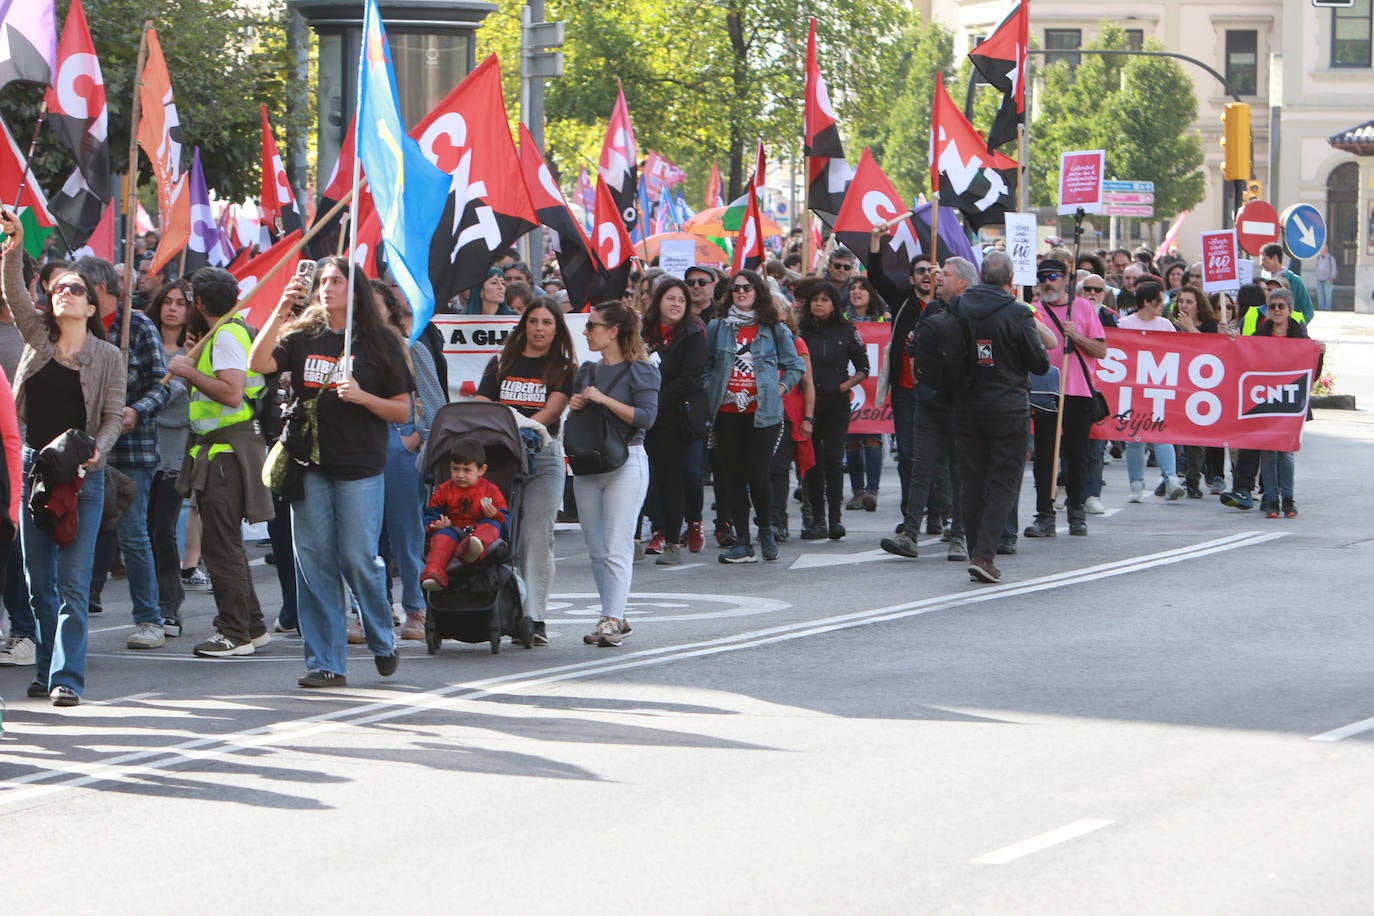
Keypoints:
(731, 388)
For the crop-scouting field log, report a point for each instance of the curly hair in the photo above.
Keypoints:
(765, 309)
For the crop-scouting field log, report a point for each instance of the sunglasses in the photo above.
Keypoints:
(920, 271)
(1048, 277)
(741, 289)
(1094, 289)
(599, 324)
(838, 265)
(76, 289)
(699, 281)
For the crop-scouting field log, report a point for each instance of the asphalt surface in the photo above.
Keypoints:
(1174, 714)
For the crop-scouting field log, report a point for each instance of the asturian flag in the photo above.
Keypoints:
(619, 165)
(1001, 60)
(569, 243)
(408, 190)
(485, 206)
(28, 41)
(79, 115)
(979, 183)
(278, 202)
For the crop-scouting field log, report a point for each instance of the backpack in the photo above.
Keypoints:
(940, 350)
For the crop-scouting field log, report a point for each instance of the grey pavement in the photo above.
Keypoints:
(1175, 714)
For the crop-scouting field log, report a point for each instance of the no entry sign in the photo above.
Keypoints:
(1257, 225)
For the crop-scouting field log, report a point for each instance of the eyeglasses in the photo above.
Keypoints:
(598, 324)
(1094, 289)
(841, 265)
(921, 271)
(698, 281)
(1048, 277)
(741, 289)
(76, 289)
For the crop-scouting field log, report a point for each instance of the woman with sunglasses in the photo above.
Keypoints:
(625, 383)
(68, 378)
(751, 363)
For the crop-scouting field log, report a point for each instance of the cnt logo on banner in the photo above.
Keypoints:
(1206, 389)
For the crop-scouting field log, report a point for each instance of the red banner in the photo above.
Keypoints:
(1206, 389)
(866, 416)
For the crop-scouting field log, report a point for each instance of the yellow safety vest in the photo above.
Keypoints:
(207, 414)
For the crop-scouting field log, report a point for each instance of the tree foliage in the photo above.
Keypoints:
(224, 59)
(1138, 109)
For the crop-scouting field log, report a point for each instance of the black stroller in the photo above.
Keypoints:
(481, 603)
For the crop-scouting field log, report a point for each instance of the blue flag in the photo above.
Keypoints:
(408, 190)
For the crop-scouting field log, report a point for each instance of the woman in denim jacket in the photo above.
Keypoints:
(751, 362)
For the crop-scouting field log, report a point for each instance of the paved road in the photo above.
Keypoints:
(1174, 714)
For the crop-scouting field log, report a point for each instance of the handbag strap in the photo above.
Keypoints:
(1083, 364)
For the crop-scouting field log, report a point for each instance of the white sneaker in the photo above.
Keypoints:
(1173, 489)
(1093, 506)
(1137, 491)
(147, 636)
(18, 650)
(1061, 496)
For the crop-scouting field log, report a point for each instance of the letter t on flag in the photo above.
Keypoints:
(409, 191)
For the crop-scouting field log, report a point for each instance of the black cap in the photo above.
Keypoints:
(1051, 264)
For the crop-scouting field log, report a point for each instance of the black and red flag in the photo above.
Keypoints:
(569, 243)
(749, 251)
(77, 112)
(468, 137)
(979, 183)
(1001, 60)
(827, 173)
(619, 165)
(277, 203)
(340, 183)
(613, 246)
(873, 200)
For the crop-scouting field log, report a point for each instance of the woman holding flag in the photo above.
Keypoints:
(340, 406)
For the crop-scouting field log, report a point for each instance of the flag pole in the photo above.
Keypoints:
(135, 113)
(935, 227)
(33, 145)
(228, 316)
(353, 215)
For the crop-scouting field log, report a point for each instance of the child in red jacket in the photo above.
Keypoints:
(466, 515)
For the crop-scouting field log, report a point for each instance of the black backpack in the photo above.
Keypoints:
(941, 349)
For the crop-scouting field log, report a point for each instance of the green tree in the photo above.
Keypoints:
(224, 59)
(1138, 109)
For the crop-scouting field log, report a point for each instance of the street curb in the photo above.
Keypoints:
(1333, 401)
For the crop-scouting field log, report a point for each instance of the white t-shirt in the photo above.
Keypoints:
(1133, 323)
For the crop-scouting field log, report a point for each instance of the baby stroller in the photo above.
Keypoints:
(481, 603)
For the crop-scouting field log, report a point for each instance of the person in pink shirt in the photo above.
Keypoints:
(1080, 343)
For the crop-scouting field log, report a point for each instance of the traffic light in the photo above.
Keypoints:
(1235, 142)
(1253, 191)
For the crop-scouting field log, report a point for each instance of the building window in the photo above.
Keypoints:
(1242, 61)
(1063, 44)
(1350, 35)
(1135, 39)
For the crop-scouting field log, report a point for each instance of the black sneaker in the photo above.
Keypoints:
(768, 545)
(725, 536)
(1006, 549)
(386, 664)
(322, 678)
(37, 689)
(740, 553)
(815, 532)
(837, 532)
(1194, 491)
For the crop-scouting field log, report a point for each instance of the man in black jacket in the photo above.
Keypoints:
(991, 414)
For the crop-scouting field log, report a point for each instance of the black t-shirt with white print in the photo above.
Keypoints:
(523, 386)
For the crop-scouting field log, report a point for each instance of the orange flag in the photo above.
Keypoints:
(159, 133)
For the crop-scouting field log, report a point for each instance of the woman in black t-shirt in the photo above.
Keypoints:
(336, 525)
(534, 374)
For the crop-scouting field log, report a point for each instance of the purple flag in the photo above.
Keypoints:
(28, 41)
(204, 245)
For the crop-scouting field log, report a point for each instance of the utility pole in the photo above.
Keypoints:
(540, 59)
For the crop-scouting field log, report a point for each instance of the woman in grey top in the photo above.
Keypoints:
(608, 504)
(169, 310)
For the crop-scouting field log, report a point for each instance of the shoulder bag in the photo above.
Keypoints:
(592, 437)
(1099, 410)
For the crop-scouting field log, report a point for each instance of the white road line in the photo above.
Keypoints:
(127, 626)
(1043, 841)
(25, 788)
(1345, 731)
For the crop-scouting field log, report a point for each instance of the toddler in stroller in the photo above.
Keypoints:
(467, 516)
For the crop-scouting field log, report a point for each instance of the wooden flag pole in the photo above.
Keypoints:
(935, 228)
(131, 207)
(304, 240)
(33, 145)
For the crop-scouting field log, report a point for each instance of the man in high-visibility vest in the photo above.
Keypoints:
(223, 468)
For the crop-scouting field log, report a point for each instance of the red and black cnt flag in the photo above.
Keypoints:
(1001, 60)
(569, 243)
(827, 173)
(979, 183)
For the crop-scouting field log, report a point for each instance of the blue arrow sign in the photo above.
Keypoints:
(1304, 231)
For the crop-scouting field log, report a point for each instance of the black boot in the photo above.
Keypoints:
(1042, 527)
(1078, 521)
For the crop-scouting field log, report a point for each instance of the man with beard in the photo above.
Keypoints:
(899, 379)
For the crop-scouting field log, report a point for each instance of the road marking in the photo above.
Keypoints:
(387, 705)
(1042, 842)
(1345, 731)
(127, 626)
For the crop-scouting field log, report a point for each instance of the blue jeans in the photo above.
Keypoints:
(608, 509)
(403, 521)
(1092, 477)
(864, 455)
(1276, 470)
(17, 594)
(137, 550)
(1135, 460)
(334, 532)
(904, 429)
(60, 584)
(538, 512)
(1324, 295)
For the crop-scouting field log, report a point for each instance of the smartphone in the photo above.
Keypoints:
(306, 270)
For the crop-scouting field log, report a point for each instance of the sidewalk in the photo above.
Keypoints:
(1349, 338)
